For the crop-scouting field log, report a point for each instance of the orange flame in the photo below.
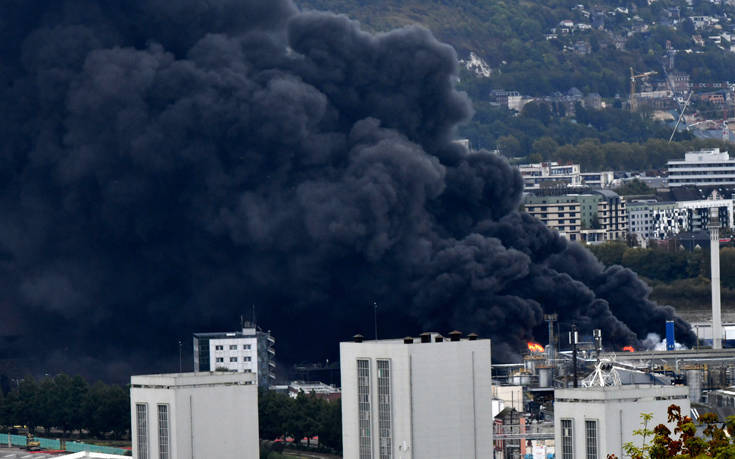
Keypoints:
(629, 349)
(535, 347)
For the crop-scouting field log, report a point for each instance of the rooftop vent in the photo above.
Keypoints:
(472, 336)
(455, 335)
(358, 338)
(438, 338)
(425, 337)
(408, 340)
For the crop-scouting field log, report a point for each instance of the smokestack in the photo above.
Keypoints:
(714, 244)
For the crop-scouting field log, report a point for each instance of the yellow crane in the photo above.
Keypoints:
(633, 78)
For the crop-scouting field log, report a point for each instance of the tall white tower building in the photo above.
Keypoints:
(427, 398)
(714, 244)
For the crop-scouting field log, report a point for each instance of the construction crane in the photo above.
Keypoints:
(633, 78)
(681, 116)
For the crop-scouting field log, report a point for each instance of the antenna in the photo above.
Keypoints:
(375, 317)
(252, 316)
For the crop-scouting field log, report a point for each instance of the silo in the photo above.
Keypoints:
(694, 381)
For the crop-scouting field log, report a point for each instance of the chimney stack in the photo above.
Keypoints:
(455, 335)
(714, 244)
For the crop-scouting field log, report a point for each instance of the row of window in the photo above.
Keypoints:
(385, 416)
(141, 421)
(233, 347)
(234, 359)
(590, 439)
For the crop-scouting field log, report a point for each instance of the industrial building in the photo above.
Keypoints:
(593, 422)
(250, 350)
(194, 415)
(702, 168)
(427, 397)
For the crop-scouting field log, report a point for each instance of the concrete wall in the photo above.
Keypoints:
(617, 410)
(210, 415)
(441, 398)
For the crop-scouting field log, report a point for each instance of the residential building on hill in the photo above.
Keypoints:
(592, 217)
(250, 350)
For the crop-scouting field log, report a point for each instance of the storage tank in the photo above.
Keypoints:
(544, 376)
(520, 378)
(694, 381)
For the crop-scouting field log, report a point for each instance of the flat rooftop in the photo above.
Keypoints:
(172, 380)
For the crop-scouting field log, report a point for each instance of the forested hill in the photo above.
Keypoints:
(515, 38)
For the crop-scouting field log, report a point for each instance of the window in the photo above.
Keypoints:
(218, 348)
(233, 347)
(567, 439)
(163, 447)
(245, 347)
(233, 359)
(141, 416)
(363, 403)
(384, 410)
(247, 359)
(590, 428)
(220, 359)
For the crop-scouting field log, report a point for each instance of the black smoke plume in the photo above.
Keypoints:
(166, 164)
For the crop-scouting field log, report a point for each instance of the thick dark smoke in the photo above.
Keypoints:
(166, 164)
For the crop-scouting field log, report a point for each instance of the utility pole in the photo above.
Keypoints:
(375, 318)
(573, 340)
(551, 318)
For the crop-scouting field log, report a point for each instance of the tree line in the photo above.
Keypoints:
(306, 416)
(67, 404)
(677, 277)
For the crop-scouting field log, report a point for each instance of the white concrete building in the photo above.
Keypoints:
(702, 168)
(425, 398)
(194, 415)
(598, 179)
(592, 422)
(247, 351)
(536, 174)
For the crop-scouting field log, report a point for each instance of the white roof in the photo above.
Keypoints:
(84, 454)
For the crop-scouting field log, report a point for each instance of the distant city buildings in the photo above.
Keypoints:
(427, 397)
(250, 350)
(650, 219)
(597, 216)
(702, 168)
(206, 415)
(315, 388)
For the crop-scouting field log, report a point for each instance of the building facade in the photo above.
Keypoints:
(416, 398)
(248, 351)
(592, 217)
(537, 175)
(592, 422)
(600, 180)
(702, 168)
(650, 219)
(194, 415)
